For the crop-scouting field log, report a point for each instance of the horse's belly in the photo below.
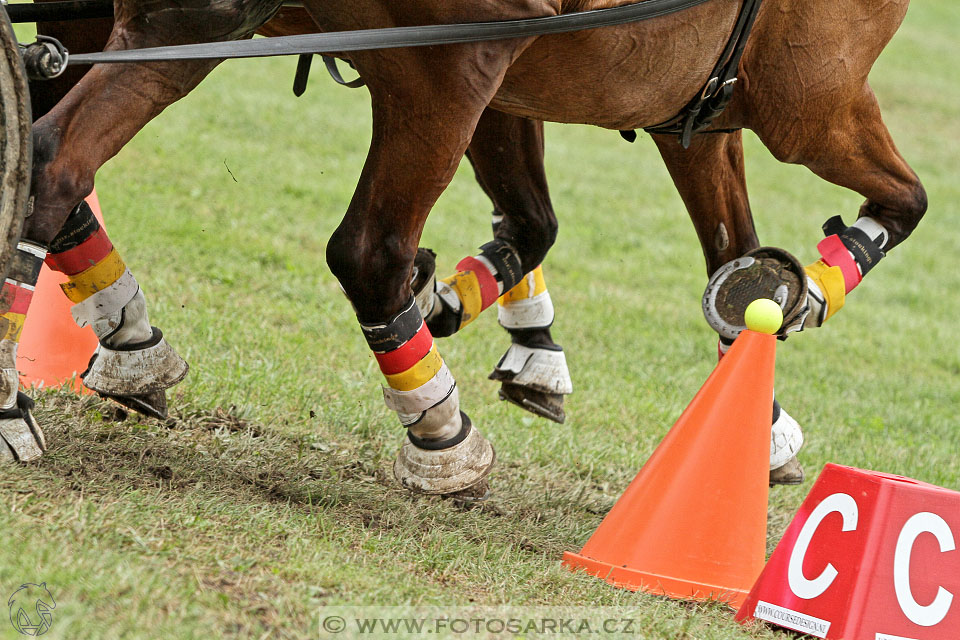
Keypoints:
(629, 76)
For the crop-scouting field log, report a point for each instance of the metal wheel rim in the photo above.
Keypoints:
(16, 149)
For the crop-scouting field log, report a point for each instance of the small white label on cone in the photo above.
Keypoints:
(790, 619)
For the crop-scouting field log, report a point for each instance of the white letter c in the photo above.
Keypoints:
(799, 584)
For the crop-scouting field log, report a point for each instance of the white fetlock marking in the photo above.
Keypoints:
(130, 325)
(441, 421)
(540, 369)
(786, 438)
(416, 401)
(530, 313)
(106, 301)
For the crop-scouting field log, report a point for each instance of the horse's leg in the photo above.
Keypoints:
(533, 371)
(20, 435)
(430, 115)
(853, 149)
(100, 114)
(711, 181)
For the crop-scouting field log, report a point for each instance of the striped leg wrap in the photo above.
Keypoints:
(847, 255)
(527, 305)
(420, 387)
(479, 281)
(20, 436)
(98, 281)
(18, 289)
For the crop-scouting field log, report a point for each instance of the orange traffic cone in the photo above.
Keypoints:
(53, 349)
(693, 523)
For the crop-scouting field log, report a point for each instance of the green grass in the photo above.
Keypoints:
(269, 496)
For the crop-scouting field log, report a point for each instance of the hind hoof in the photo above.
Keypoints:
(545, 405)
(789, 474)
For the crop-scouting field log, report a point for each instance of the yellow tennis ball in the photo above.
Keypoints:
(763, 316)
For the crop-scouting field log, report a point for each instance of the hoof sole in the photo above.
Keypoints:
(152, 405)
(545, 405)
(789, 474)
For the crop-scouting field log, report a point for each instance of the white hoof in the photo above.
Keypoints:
(20, 435)
(786, 438)
(535, 368)
(448, 470)
(136, 369)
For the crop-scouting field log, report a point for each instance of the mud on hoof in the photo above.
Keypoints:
(535, 379)
(20, 435)
(789, 474)
(476, 494)
(766, 272)
(136, 375)
(451, 470)
(545, 405)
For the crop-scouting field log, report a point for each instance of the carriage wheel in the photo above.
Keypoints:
(15, 142)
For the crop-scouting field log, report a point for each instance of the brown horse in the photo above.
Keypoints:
(802, 88)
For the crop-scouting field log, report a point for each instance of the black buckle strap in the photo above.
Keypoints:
(718, 91)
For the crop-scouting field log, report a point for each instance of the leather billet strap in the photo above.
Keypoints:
(718, 91)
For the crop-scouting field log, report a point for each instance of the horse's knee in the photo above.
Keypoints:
(58, 184)
(373, 275)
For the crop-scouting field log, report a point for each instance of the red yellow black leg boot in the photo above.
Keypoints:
(134, 364)
(20, 435)
(444, 453)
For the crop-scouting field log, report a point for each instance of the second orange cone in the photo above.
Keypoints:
(693, 523)
(53, 349)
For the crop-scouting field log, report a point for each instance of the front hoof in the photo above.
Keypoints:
(545, 405)
(20, 435)
(136, 375)
(447, 470)
(766, 272)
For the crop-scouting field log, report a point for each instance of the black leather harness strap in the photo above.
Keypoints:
(393, 37)
(718, 91)
(695, 117)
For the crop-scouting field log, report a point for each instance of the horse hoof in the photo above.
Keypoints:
(136, 375)
(20, 435)
(766, 272)
(545, 405)
(445, 471)
(152, 405)
(535, 379)
(789, 474)
(470, 496)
